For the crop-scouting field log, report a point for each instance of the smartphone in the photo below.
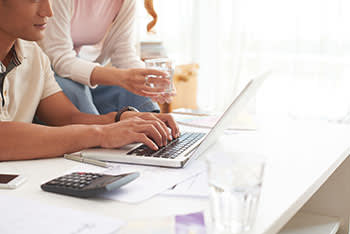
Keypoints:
(11, 181)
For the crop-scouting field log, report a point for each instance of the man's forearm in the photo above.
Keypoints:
(28, 141)
(83, 118)
(57, 110)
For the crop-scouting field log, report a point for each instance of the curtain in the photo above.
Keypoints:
(304, 43)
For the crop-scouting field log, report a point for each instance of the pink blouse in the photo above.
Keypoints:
(92, 19)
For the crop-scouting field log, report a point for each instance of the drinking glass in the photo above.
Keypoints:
(163, 64)
(235, 180)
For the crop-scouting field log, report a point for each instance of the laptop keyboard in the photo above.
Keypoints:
(173, 149)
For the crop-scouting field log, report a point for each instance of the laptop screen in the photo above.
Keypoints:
(241, 100)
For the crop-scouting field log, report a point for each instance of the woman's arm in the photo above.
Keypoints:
(58, 45)
(120, 41)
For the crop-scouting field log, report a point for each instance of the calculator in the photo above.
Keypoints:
(83, 184)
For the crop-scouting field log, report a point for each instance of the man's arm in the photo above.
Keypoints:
(57, 110)
(20, 141)
(28, 141)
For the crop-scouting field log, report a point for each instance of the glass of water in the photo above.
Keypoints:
(235, 181)
(163, 64)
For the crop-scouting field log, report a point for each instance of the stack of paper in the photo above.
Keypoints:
(196, 186)
(152, 180)
(18, 217)
(177, 224)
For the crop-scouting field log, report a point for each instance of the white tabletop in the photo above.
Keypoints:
(300, 159)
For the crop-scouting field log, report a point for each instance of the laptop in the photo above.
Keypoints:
(190, 145)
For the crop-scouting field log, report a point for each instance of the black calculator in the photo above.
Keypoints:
(83, 184)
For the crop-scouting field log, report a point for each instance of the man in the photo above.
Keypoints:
(27, 88)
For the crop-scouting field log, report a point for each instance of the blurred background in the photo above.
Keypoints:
(223, 43)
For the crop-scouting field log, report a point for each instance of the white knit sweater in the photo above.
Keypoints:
(117, 46)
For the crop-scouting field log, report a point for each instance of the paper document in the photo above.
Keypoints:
(152, 180)
(196, 186)
(192, 223)
(20, 216)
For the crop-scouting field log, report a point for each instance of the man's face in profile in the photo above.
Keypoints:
(25, 19)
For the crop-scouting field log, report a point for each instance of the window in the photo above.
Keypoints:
(306, 43)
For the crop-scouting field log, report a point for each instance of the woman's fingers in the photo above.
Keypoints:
(152, 90)
(150, 83)
(163, 98)
(167, 97)
(153, 72)
(158, 82)
(156, 85)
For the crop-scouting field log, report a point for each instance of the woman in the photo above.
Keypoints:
(107, 27)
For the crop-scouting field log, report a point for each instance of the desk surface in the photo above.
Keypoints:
(300, 159)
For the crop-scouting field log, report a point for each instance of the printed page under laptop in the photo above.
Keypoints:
(194, 151)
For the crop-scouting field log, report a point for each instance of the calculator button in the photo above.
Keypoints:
(53, 182)
(79, 184)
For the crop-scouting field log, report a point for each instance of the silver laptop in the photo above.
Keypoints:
(188, 146)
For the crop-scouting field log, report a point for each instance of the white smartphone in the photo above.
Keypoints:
(11, 181)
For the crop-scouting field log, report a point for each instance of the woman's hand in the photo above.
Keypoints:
(144, 82)
(165, 97)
